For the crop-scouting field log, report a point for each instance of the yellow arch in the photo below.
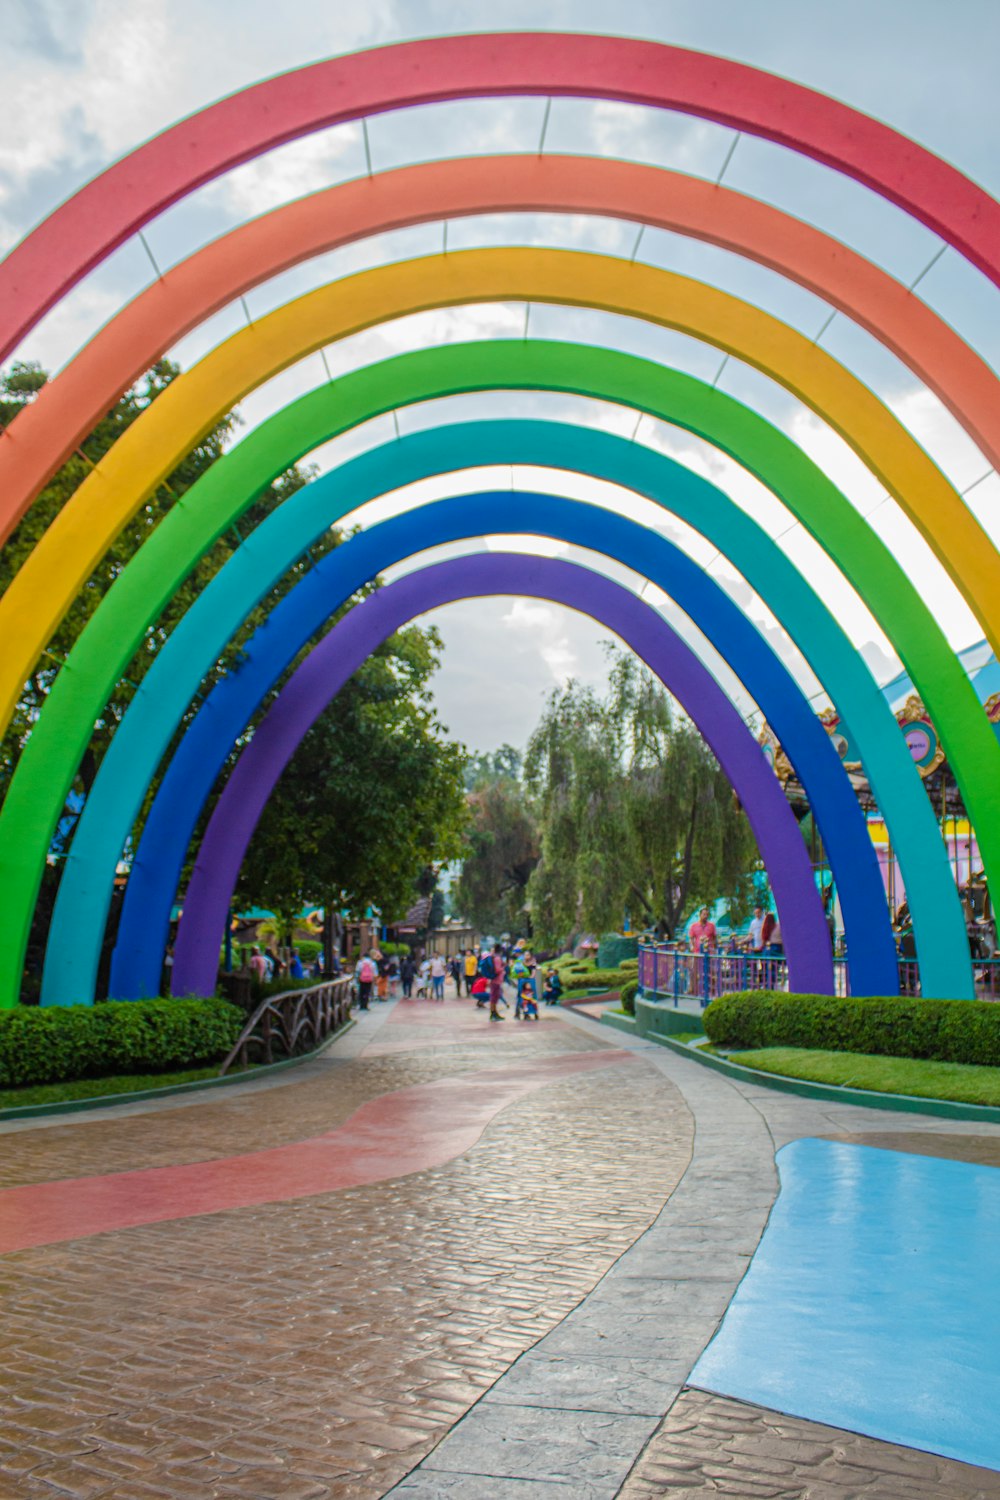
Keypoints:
(153, 446)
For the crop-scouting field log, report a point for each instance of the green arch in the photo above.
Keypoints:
(60, 737)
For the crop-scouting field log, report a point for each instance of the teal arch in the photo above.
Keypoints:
(45, 773)
(287, 533)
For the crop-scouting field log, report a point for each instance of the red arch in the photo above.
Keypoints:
(104, 213)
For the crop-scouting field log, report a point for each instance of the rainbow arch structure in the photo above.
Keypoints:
(347, 645)
(75, 238)
(183, 660)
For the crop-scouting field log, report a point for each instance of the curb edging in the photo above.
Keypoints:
(949, 1109)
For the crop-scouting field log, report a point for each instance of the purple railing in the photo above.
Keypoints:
(676, 976)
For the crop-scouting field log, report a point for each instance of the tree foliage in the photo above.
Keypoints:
(501, 850)
(17, 389)
(487, 766)
(372, 796)
(635, 813)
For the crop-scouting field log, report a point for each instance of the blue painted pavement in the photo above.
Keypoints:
(872, 1301)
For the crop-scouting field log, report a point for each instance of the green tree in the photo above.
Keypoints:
(487, 766)
(17, 389)
(501, 851)
(372, 796)
(635, 813)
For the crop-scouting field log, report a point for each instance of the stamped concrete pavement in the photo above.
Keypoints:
(517, 1320)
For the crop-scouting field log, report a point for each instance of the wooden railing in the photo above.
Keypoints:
(291, 1023)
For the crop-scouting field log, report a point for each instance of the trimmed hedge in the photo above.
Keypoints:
(962, 1031)
(613, 947)
(54, 1043)
(627, 995)
(594, 979)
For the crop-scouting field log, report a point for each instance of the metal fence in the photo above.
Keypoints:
(668, 973)
(291, 1023)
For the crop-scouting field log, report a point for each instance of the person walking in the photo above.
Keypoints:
(407, 971)
(470, 966)
(496, 979)
(438, 973)
(365, 972)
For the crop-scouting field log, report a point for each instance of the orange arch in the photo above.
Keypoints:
(47, 432)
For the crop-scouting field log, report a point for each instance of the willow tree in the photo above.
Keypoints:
(636, 814)
(501, 848)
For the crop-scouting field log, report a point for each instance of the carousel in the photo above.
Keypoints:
(917, 728)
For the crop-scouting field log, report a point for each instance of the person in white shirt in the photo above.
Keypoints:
(757, 930)
(438, 972)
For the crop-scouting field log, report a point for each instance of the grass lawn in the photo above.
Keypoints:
(883, 1075)
(94, 1088)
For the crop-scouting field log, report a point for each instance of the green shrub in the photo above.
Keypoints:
(309, 949)
(961, 1031)
(569, 961)
(49, 1044)
(630, 965)
(613, 948)
(594, 979)
(627, 996)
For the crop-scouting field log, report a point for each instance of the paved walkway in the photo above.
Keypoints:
(446, 1258)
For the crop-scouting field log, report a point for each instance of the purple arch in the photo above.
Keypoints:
(339, 654)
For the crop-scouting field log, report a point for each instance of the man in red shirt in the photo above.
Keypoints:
(703, 936)
(703, 939)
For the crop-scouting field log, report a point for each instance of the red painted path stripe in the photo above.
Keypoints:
(406, 1131)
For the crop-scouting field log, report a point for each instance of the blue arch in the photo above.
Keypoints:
(232, 702)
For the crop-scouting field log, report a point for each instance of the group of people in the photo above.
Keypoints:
(267, 964)
(484, 973)
(763, 939)
(517, 967)
(387, 976)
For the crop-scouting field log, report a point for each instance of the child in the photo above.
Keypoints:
(525, 993)
(480, 990)
(425, 979)
(528, 1001)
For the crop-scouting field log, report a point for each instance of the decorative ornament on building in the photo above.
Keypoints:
(992, 707)
(920, 735)
(775, 756)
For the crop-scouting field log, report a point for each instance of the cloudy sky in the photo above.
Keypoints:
(84, 81)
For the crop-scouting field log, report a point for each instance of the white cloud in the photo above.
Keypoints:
(524, 614)
(291, 171)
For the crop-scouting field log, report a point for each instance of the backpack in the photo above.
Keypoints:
(367, 972)
(487, 967)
